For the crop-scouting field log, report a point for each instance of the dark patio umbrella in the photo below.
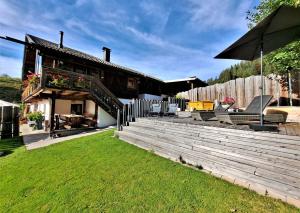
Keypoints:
(278, 29)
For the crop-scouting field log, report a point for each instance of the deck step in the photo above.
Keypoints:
(259, 161)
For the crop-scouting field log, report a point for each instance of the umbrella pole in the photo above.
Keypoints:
(261, 86)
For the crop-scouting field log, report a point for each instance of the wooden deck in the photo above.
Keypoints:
(267, 163)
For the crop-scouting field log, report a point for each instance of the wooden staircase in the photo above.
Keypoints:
(104, 98)
(265, 162)
(89, 84)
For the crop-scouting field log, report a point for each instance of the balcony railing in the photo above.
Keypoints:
(30, 89)
(67, 80)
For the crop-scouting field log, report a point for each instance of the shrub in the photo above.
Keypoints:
(35, 116)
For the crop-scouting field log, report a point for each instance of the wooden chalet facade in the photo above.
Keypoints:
(59, 80)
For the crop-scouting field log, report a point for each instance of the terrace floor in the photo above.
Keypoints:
(291, 128)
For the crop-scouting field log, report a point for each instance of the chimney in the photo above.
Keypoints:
(106, 54)
(61, 39)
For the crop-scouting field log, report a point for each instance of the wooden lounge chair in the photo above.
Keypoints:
(172, 108)
(251, 114)
(206, 115)
(155, 110)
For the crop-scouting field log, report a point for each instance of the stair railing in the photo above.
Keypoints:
(68, 80)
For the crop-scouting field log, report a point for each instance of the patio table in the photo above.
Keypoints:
(73, 120)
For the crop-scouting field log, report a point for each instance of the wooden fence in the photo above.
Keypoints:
(9, 121)
(138, 108)
(243, 90)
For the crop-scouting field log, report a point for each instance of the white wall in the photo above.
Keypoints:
(105, 119)
(41, 106)
(64, 106)
(90, 107)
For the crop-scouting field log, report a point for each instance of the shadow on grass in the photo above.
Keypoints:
(7, 146)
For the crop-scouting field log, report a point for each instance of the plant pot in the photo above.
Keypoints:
(38, 125)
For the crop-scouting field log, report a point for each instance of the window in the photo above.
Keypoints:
(131, 84)
(76, 109)
(101, 74)
(80, 69)
(38, 62)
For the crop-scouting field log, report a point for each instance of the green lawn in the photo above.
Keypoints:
(100, 173)
(10, 88)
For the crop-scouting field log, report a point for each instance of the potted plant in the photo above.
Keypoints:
(227, 102)
(80, 82)
(33, 78)
(58, 80)
(37, 117)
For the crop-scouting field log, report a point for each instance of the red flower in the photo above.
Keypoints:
(228, 100)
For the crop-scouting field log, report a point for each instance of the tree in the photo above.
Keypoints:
(283, 58)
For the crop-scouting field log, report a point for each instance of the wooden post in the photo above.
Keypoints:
(43, 77)
(128, 114)
(118, 121)
(53, 97)
(56, 122)
(96, 114)
(84, 107)
(1, 121)
(123, 114)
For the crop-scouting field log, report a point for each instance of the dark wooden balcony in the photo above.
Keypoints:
(67, 84)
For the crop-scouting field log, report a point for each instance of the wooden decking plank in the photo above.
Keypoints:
(257, 135)
(244, 174)
(289, 153)
(191, 141)
(284, 146)
(227, 156)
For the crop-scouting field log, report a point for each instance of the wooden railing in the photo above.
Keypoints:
(67, 80)
(29, 90)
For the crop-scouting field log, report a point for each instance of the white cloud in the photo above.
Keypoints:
(81, 27)
(143, 46)
(218, 14)
(165, 45)
(157, 13)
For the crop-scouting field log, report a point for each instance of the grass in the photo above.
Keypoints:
(10, 88)
(100, 173)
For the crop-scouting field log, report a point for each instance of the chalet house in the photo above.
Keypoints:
(60, 82)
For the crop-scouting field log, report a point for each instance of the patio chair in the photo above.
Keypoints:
(60, 121)
(155, 109)
(172, 108)
(251, 113)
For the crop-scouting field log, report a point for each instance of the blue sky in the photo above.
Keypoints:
(169, 39)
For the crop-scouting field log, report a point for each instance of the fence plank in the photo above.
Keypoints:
(243, 90)
(240, 91)
(6, 131)
(249, 89)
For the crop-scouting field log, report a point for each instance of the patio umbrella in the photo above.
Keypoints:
(278, 29)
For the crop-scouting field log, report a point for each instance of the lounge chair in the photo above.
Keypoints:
(206, 115)
(251, 113)
(172, 108)
(155, 109)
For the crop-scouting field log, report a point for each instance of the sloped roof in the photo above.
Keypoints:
(183, 79)
(72, 52)
(5, 103)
